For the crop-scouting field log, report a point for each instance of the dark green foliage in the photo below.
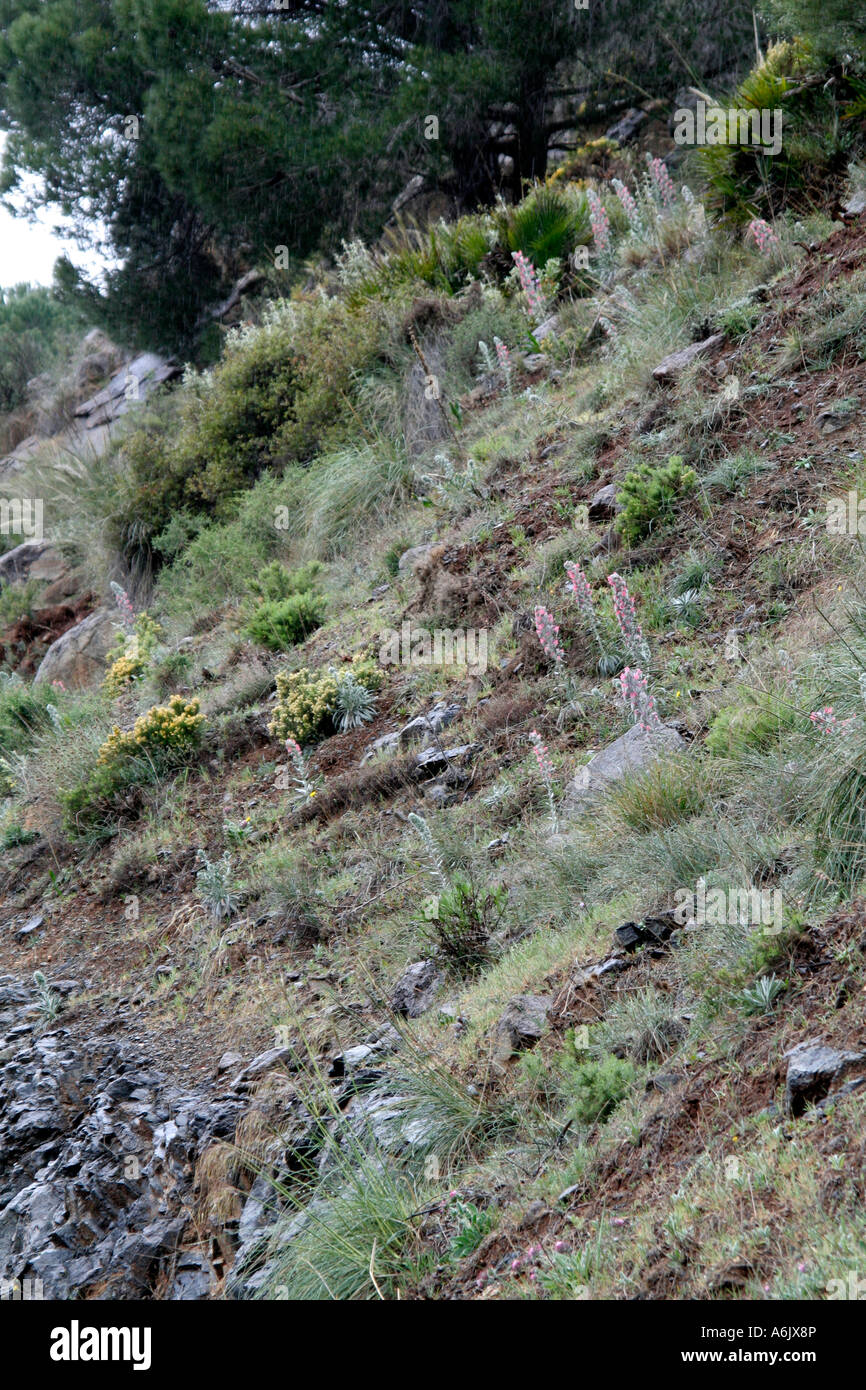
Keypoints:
(546, 225)
(23, 715)
(289, 607)
(466, 917)
(649, 496)
(36, 331)
(600, 1086)
(833, 27)
(207, 141)
(819, 137)
(282, 623)
(275, 582)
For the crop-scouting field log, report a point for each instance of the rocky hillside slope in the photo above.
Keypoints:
(543, 976)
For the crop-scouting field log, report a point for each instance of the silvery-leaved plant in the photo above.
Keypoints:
(355, 704)
(215, 886)
(434, 858)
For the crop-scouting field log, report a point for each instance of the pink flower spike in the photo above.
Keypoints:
(663, 182)
(547, 630)
(623, 606)
(762, 233)
(600, 221)
(635, 693)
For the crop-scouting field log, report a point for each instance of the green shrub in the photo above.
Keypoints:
(600, 1086)
(548, 225)
(275, 582)
(833, 27)
(462, 923)
(757, 724)
(24, 715)
(649, 495)
(19, 601)
(282, 623)
(741, 181)
(281, 392)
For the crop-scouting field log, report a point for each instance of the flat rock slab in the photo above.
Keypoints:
(670, 367)
(631, 752)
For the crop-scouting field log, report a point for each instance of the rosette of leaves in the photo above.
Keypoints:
(355, 704)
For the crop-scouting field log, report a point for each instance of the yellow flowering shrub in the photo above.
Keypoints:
(157, 740)
(176, 725)
(305, 702)
(130, 656)
(368, 672)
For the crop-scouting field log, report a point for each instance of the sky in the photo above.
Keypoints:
(28, 250)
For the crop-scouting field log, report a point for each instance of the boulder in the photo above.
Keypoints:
(812, 1070)
(416, 989)
(670, 367)
(603, 506)
(266, 1061)
(77, 659)
(634, 750)
(433, 722)
(522, 1024)
(32, 560)
(411, 557)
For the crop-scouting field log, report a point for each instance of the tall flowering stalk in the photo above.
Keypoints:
(304, 788)
(434, 858)
(529, 283)
(545, 768)
(635, 692)
(599, 220)
(763, 234)
(503, 357)
(623, 606)
(548, 635)
(629, 206)
(578, 586)
(124, 607)
(663, 181)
